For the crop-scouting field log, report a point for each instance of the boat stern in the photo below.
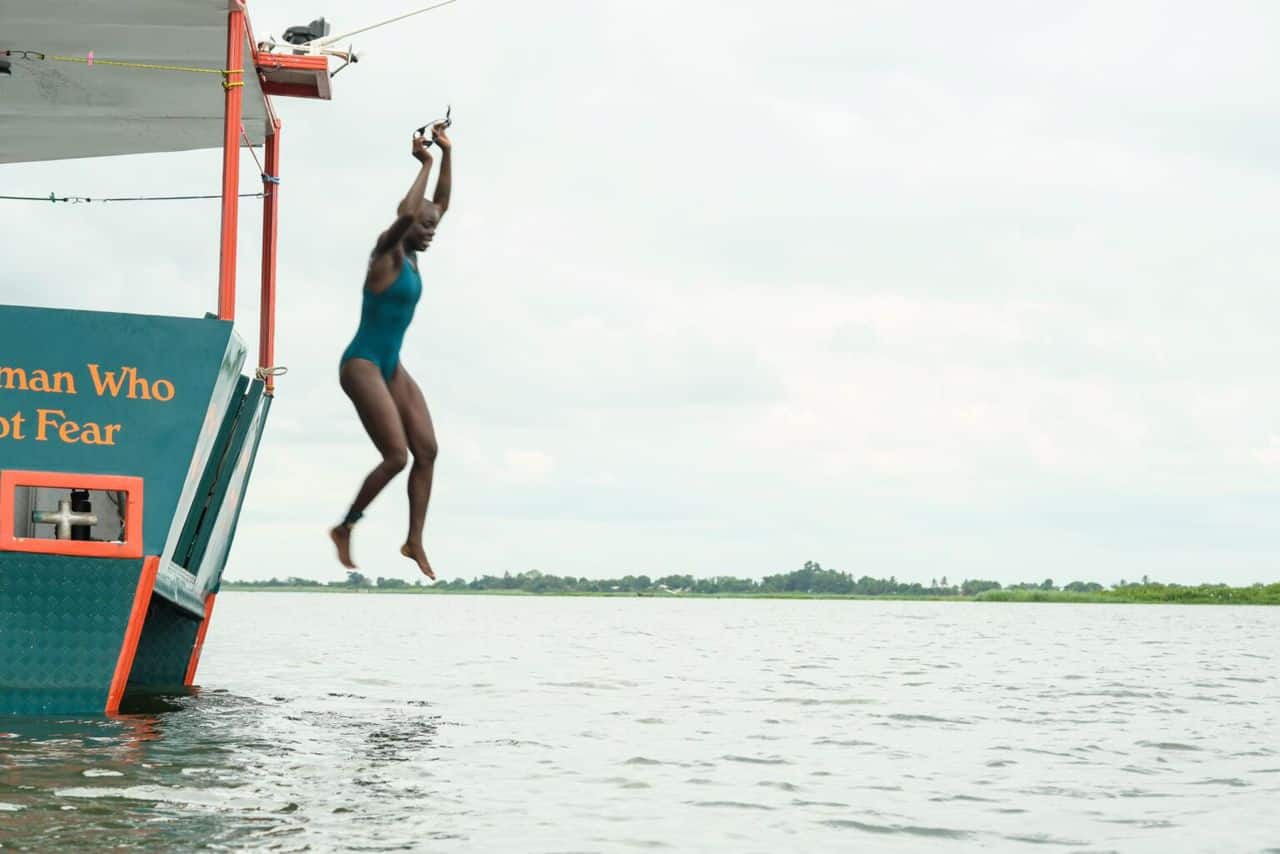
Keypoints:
(126, 444)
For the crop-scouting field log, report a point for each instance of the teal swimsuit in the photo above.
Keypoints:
(384, 318)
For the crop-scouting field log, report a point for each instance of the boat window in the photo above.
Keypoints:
(56, 513)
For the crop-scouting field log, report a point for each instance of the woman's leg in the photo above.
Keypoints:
(363, 383)
(421, 435)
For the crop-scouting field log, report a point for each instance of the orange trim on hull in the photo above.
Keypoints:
(199, 645)
(128, 649)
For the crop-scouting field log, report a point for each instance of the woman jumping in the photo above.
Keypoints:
(387, 399)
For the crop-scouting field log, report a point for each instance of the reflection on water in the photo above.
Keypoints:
(208, 769)
(493, 724)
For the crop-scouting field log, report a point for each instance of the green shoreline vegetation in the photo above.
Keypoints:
(812, 581)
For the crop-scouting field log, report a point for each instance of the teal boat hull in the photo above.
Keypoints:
(154, 421)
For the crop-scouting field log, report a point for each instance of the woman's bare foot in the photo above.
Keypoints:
(414, 552)
(341, 536)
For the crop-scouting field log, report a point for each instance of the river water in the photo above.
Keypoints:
(493, 724)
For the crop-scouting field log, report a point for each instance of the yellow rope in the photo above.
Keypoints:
(226, 73)
(147, 66)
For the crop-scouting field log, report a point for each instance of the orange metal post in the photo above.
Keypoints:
(270, 211)
(234, 84)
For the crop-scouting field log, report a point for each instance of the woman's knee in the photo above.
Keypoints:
(425, 451)
(395, 459)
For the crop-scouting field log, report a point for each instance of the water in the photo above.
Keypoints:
(457, 723)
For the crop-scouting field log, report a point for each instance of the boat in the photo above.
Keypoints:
(127, 440)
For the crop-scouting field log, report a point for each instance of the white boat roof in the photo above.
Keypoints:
(57, 109)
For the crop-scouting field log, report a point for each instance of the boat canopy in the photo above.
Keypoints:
(56, 104)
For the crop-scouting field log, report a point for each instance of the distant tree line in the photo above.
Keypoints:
(811, 579)
(354, 579)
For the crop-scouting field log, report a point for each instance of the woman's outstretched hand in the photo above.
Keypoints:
(440, 136)
(420, 152)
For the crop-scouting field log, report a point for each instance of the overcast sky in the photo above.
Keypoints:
(914, 289)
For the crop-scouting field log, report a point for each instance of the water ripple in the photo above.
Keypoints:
(910, 830)
(459, 724)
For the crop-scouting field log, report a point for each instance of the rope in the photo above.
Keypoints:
(345, 36)
(261, 171)
(275, 371)
(146, 66)
(78, 200)
(91, 60)
(254, 154)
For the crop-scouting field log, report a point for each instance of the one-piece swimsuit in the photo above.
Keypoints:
(384, 317)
